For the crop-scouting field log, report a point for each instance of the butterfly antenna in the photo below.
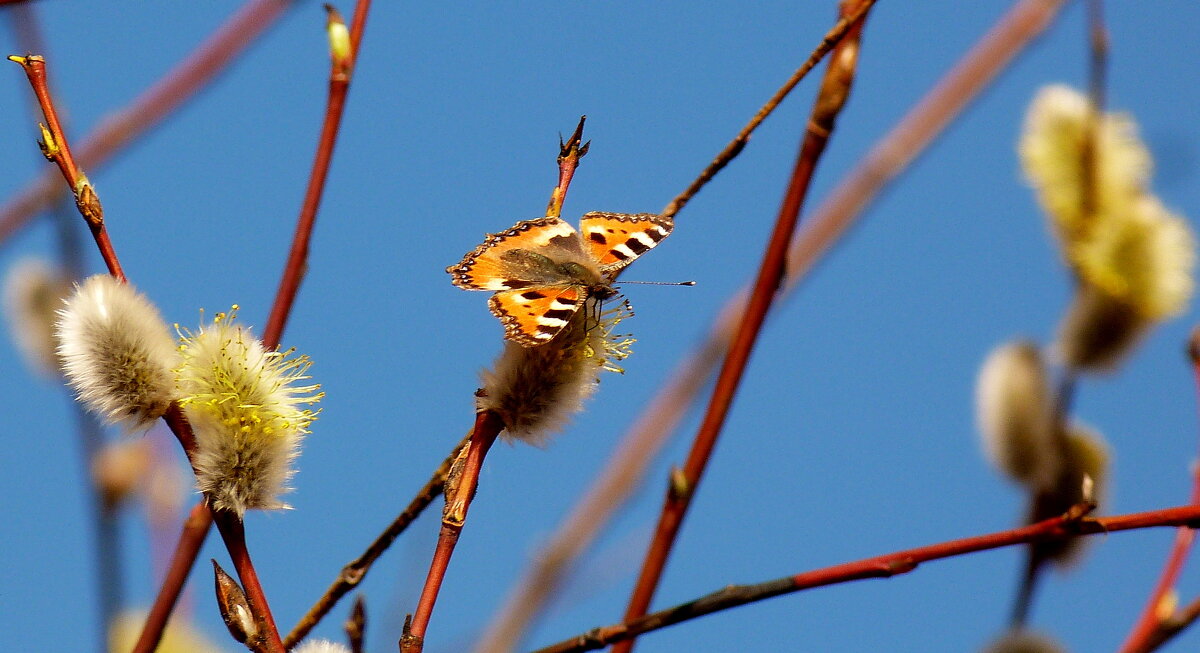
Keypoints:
(662, 283)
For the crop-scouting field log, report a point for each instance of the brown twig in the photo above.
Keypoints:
(233, 532)
(734, 148)
(54, 146)
(835, 89)
(569, 154)
(341, 70)
(1149, 630)
(354, 572)
(1072, 524)
(149, 108)
(483, 435)
(845, 204)
(356, 625)
(195, 530)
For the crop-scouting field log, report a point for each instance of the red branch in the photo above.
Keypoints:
(55, 147)
(1149, 630)
(293, 272)
(195, 530)
(483, 435)
(149, 108)
(835, 88)
(1065, 526)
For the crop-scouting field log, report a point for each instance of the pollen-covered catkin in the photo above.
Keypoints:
(1131, 257)
(536, 390)
(1057, 129)
(117, 353)
(246, 407)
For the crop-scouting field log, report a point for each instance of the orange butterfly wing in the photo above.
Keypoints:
(615, 239)
(484, 269)
(533, 316)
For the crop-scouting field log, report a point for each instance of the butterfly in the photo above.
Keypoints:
(543, 269)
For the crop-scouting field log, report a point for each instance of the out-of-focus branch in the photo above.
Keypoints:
(149, 108)
(195, 530)
(627, 466)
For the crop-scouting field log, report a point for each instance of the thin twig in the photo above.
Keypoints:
(55, 147)
(611, 489)
(1072, 524)
(734, 148)
(340, 73)
(1152, 630)
(147, 110)
(835, 89)
(195, 530)
(487, 426)
(354, 572)
(627, 466)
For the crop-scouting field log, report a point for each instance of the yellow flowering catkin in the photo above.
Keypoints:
(246, 406)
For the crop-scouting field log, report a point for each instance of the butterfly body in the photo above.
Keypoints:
(543, 270)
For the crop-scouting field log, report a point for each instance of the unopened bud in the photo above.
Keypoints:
(356, 625)
(340, 49)
(234, 608)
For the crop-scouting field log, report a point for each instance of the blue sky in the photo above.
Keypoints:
(853, 434)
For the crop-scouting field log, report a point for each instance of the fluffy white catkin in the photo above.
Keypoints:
(536, 390)
(320, 646)
(117, 353)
